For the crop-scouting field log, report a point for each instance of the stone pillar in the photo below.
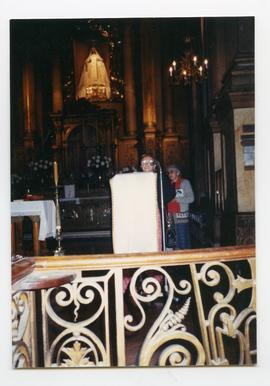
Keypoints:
(130, 100)
(29, 105)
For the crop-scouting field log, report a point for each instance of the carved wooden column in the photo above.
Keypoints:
(127, 150)
(57, 108)
(57, 96)
(171, 143)
(148, 85)
(39, 108)
(168, 104)
(197, 144)
(171, 139)
(130, 101)
(29, 105)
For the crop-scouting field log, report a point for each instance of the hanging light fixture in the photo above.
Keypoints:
(94, 84)
(189, 68)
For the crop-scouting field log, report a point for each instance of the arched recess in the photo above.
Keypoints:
(86, 135)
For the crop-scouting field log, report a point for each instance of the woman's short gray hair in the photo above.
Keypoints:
(174, 167)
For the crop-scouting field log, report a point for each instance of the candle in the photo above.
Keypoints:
(55, 173)
(171, 70)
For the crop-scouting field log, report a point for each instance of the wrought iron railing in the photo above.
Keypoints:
(194, 307)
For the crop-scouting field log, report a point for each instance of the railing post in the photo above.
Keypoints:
(119, 310)
(33, 338)
(201, 317)
(46, 352)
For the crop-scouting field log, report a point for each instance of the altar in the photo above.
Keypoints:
(87, 215)
(42, 214)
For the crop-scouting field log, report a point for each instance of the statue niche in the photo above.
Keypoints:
(94, 84)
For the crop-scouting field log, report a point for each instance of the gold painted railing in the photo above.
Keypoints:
(196, 307)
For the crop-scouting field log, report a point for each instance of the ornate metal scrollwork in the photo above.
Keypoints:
(20, 323)
(146, 286)
(223, 317)
(193, 314)
(85, 300)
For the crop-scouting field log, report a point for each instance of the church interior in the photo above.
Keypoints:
(88, 98)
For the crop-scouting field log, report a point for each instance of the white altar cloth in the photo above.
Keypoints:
(44, 209)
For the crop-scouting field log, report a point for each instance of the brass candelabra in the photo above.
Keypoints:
(59, 250)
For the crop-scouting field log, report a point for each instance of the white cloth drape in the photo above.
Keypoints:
(44, 209)
(134, 213)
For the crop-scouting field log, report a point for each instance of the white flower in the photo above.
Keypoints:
(98, 161)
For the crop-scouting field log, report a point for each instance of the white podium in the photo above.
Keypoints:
(135, 226)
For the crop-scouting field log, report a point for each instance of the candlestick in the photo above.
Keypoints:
(55, 173)
(59, 250)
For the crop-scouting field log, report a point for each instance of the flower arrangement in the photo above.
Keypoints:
(16, 179)
(17, 186)
(40, 172)
(99, 167)
(40, 166)
(98, 162)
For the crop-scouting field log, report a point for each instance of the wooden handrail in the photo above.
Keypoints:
(91, 262)
(21, 268)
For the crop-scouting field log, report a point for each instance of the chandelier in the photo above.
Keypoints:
(188, 69)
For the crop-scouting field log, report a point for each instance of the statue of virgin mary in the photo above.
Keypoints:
(94, 83)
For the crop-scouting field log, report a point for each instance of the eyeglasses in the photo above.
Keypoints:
(148, 162)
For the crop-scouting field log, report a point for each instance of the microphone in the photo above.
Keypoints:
(157, 164)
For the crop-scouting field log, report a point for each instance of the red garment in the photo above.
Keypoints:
(174, 206)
